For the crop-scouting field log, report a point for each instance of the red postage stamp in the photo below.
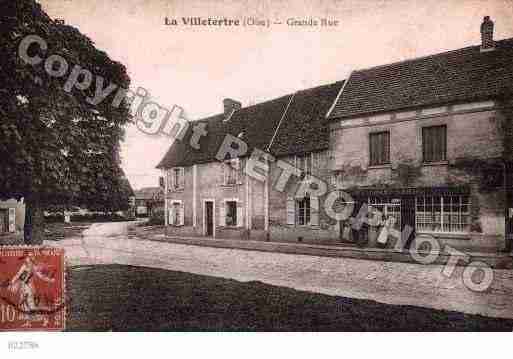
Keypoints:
(32, 288)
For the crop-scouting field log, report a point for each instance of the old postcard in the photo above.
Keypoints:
(266, 166)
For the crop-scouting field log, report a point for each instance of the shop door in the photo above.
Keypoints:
(408, 219)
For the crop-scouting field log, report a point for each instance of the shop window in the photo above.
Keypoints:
(387, 207)
(448, 214)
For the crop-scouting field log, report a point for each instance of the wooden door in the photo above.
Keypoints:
(209, 218)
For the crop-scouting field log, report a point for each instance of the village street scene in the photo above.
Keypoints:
(146, 192)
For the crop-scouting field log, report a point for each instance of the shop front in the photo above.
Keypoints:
(438, 211)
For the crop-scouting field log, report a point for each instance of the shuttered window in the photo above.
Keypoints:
(176, 179)
(379, 148)
(12, 220)
(304, 163)
(291, 210)
(303, 211)
(233, 172)
(231, 213)
(434, 143)
(176, 213)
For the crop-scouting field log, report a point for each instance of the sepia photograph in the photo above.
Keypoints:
(236, 166)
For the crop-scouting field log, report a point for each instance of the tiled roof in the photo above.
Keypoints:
(302, 129)
(305, 128)
(455, 76)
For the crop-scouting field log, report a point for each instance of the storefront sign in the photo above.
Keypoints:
(410, 191)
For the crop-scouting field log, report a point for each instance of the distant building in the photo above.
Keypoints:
(148, 200)
(12, 216)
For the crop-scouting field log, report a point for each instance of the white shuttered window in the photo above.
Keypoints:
(12, 219)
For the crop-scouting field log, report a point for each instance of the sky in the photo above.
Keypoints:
(196, 67)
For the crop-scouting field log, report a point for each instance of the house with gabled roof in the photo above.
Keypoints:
(427, 142)
(12, 216)
(208, 197)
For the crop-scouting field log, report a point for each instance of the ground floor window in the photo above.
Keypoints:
(447, 213)
(231, 213)
(176, 214)
(303, 211)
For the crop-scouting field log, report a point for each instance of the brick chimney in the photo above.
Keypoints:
(487, 43)
(230, 106)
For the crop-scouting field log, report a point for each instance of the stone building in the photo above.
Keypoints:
(12, 216)
(211, 197)
(426, 142)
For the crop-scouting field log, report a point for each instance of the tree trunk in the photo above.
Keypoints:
(34, 229)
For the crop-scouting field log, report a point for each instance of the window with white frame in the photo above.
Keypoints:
(232, 172)
(176, 213)
(176, 179)
(231, 213)
(304, 163)
(447, 214)
(303, 211)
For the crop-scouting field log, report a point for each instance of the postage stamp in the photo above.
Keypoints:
(32, 288)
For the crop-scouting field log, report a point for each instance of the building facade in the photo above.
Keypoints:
(12, 216)
(426, 144)
(211, 197)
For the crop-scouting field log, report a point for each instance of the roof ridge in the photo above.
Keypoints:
(320, 86)
(282, 97)
(428, 56)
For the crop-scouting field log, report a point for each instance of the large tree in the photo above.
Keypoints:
(55, 146)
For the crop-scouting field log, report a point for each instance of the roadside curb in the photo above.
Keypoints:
(494, 260)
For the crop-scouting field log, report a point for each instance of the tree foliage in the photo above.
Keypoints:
(56, 147)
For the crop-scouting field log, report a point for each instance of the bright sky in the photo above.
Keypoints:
(196, 67)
